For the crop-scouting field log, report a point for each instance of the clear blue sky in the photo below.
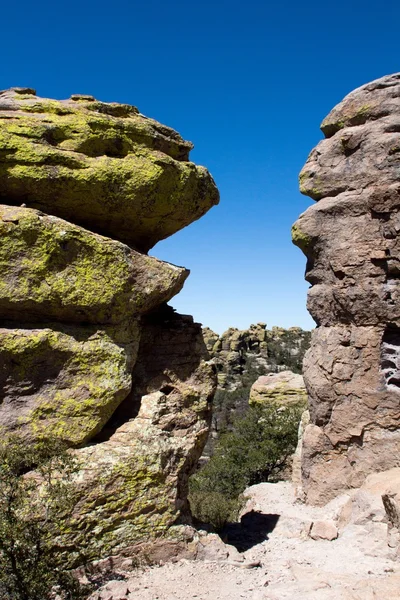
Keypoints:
(249, 83)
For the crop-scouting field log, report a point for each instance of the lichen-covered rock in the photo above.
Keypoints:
(351, 241)
(52, 270)
(284, 388)
(101, 165)
(89, 351)
(134, 484)
(63, 381)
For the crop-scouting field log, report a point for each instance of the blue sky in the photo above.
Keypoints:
(248, 83)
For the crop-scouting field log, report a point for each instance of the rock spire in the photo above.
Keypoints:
(351, 240)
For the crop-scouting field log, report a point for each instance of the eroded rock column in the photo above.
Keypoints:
(351, 240)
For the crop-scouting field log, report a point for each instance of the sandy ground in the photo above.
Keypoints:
(280, 561)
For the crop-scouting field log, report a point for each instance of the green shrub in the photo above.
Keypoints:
(33, 505)
(213, 507)
(256, 450)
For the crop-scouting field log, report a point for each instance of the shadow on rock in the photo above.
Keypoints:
(253, 529)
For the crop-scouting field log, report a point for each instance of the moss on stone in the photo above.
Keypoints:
(53, 269)
(301, 239)
(66, 382)
(103, 166)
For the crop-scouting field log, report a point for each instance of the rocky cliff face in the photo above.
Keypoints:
(351, 241)
(89, 351)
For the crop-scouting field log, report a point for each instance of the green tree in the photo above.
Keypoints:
(256, 450)
(33, 507)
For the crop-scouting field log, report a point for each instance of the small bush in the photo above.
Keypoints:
(256, 450)
(214, 508)
(33, 506)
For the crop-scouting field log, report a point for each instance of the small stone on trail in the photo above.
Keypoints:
(324, 530)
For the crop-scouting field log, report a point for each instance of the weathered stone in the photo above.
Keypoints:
(351, 241)
(376, 504)
(63, 381)
(388, 484)
(297, 456)
(324, 530)
(52, 270)
(89, 351)
(135, 478)
(101, 165)
(284, 388)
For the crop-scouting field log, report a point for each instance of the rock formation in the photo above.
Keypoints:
(89, 352)
(240, 357)
(282, 388)
(350, 238)
(100, 165)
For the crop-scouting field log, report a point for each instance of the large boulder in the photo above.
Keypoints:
(52, 270)
(63, 380)
(284, 388)
(101, 165)
(350, 238)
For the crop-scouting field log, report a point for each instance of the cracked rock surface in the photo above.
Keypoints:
(350, 237)
(89, 350)
(102, 165)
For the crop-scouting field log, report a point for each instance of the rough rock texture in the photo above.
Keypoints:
(240, 357)
(54, 270)
(89, 350)
(101, 165)
(324, 530)
(63, 380)
(278, 561)
(297, 456)
(377, 501)
(350, 238)
(283, 388)
(134, 487)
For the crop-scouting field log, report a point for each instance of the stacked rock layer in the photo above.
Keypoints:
(351, 240)
(89, 351)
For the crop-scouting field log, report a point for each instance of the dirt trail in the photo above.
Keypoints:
(280, 562)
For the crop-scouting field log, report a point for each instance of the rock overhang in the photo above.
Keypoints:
(101, 165)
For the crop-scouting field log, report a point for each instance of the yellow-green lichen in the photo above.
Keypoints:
(129, 501)
(53, 268)
(301, 239)
(68, 383)
(132, 172)
(281, 394)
